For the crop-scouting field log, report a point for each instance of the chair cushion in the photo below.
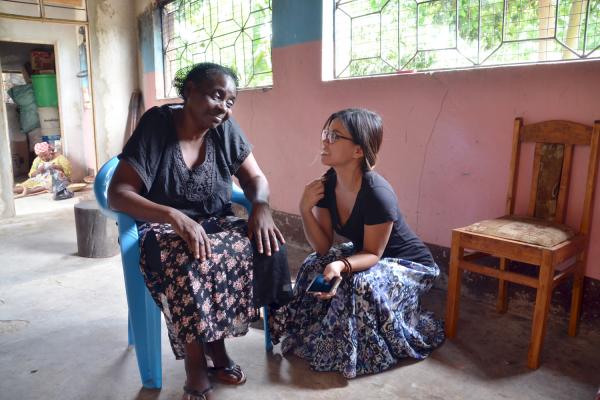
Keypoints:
(523, 229)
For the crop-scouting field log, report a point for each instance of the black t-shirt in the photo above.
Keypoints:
(375, 203)
(205, 190)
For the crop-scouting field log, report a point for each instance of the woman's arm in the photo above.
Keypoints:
(34, 167)
(63, 164)
(261, 227)
(375, 240)
(123, 196)
(316, 221)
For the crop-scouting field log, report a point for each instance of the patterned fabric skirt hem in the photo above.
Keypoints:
(374, 320)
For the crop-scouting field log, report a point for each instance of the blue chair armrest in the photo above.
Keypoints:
(101, 184)
(237, 196)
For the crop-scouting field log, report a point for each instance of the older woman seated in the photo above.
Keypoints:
(197, 258)
(48, 167)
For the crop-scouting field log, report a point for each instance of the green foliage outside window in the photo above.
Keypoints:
(234, 33)
(394, 36)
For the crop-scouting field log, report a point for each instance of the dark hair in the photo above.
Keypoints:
(200, 72)
(366, 128)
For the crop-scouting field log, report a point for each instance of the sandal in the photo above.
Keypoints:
(193, 394)
(231, 375)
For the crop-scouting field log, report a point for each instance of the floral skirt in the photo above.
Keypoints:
(201, 301)
(374, 319)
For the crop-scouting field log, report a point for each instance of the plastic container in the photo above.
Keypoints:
(55, 141)
(49, 118)
(50, 131)
(50, 138)
(44, 89)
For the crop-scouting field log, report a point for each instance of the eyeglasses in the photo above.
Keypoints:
(331, 136)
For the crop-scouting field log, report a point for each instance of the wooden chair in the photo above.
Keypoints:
(540, 238)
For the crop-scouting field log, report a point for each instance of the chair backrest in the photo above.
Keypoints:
(101, 184)
(552, 161)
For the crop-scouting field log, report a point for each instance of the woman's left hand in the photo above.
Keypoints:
(331, 271)
(262, 229)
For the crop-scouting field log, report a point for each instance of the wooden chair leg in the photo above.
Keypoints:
(502, 304)
(540, 314)
(454, 280)
(577, 295)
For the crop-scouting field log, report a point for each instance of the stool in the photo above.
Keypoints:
(97, 236)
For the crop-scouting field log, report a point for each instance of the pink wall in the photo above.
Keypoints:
(447, 138)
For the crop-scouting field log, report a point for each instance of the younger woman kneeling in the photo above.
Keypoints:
(374, 318)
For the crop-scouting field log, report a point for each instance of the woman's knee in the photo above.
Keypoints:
(276, 256)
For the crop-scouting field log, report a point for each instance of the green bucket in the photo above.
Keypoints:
(44, 90)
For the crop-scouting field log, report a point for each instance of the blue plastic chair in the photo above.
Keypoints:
(144, 314)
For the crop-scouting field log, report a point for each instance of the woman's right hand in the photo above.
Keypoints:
(313, 192)
(193, 234)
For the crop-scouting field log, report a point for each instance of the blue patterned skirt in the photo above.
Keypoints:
(374, 320)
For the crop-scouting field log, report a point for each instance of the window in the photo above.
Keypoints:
(234, 33)
(374, 37)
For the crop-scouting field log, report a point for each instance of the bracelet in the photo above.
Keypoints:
(347, 266)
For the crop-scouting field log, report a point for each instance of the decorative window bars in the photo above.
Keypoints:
(233, 33)
(373, 37)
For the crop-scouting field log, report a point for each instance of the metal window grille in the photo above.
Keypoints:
(373, 37)
(233, 33)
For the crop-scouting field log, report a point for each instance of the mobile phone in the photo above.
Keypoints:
(320, 285)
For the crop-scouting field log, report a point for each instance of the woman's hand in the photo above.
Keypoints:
(193, 234)
(262, 229)
(40, 170)
(331, 271)
(313, 192)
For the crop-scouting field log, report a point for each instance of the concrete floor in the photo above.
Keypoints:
(63, 335)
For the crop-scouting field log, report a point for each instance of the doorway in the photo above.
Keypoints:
(22, 113)
(60, 86)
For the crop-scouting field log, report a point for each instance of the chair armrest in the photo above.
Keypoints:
(127, 230)
(101, 184)
(238, 197)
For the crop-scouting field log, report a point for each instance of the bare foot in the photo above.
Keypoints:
(21, 193)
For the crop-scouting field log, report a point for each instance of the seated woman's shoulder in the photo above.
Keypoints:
(152, 114)
(376, 180)
(167, 109)
(161, 111)
(156, 118)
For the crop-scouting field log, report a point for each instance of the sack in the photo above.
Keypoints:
(59, 186)
(25, 99)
